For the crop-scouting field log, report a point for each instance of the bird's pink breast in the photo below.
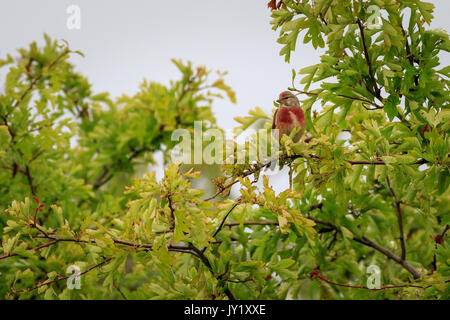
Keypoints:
(291, 116)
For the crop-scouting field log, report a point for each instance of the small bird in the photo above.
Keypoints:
(289, 116)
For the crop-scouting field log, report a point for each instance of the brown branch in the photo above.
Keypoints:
(241, 281)
(223, 221)
(120, 291)
(226, 187)
(190, 249)
(30, 180)
(45, 245)
(99, 181)
(377, 107)
(205, 261)
(38, 77)
(409, 55)
(172, 211)
(363, 240)
(442, 235)
(367, 242)
(61, 278)
(104, 177)
(357, 162)
(379, 162)
(316, 275)
(45, 235)
(18, 101)
(399, 218)
(438, 239)
(375, 91)
(252, 223)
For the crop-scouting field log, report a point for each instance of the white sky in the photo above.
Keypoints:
(125, 41)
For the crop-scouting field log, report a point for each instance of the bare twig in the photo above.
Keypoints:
(317, 275)
(375, 91)
(377, 107)
(30, 180)
(226, 187)
(61, 278)
(223, 221)
(399, 218)
(45, 245)
(252, 223)
(120, 291)
(369, 243)
(105, 175)
(205, 261)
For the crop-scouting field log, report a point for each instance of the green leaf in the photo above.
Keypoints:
(390, 106)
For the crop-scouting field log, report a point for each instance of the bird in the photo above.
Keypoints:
(289, 116)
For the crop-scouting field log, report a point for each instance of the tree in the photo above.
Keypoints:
(370, 184)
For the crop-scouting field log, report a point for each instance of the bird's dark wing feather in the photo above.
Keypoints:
(274, 122)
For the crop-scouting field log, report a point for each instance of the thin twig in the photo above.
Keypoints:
(120, 291)
(252, 223)
(369, 243)
(399, 218)
(205, 261)
(375, 91)
(316, 275)
(223, 220)
(45, 245)
(226, 187)
(61, 278)
(377, 107)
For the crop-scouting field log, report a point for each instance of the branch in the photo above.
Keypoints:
(120, 291)
(206, 262)
(377, 107)
(226, 187)
(357, 162)
(190, 249)
(317, 275)
(241, 281)
(61, 278)
(38, 77)
(172, 211)
(104, 177)
(18, 101)
(223, 221)
(399, 218)
(30, 180)
(54, 240)
(367, 242)
(438, 239)
(45, 245)
(364, 240)
(252, 223)
(376, 90)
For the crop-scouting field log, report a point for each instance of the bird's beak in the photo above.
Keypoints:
(278, 101)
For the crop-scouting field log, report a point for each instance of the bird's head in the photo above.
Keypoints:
(288, 100)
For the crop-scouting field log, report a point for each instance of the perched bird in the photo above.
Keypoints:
(289, 116)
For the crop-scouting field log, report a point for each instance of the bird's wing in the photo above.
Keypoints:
(274, 122)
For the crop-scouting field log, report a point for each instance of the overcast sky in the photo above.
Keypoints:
(125, 41)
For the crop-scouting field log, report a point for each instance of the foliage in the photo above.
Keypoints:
(371, 181)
